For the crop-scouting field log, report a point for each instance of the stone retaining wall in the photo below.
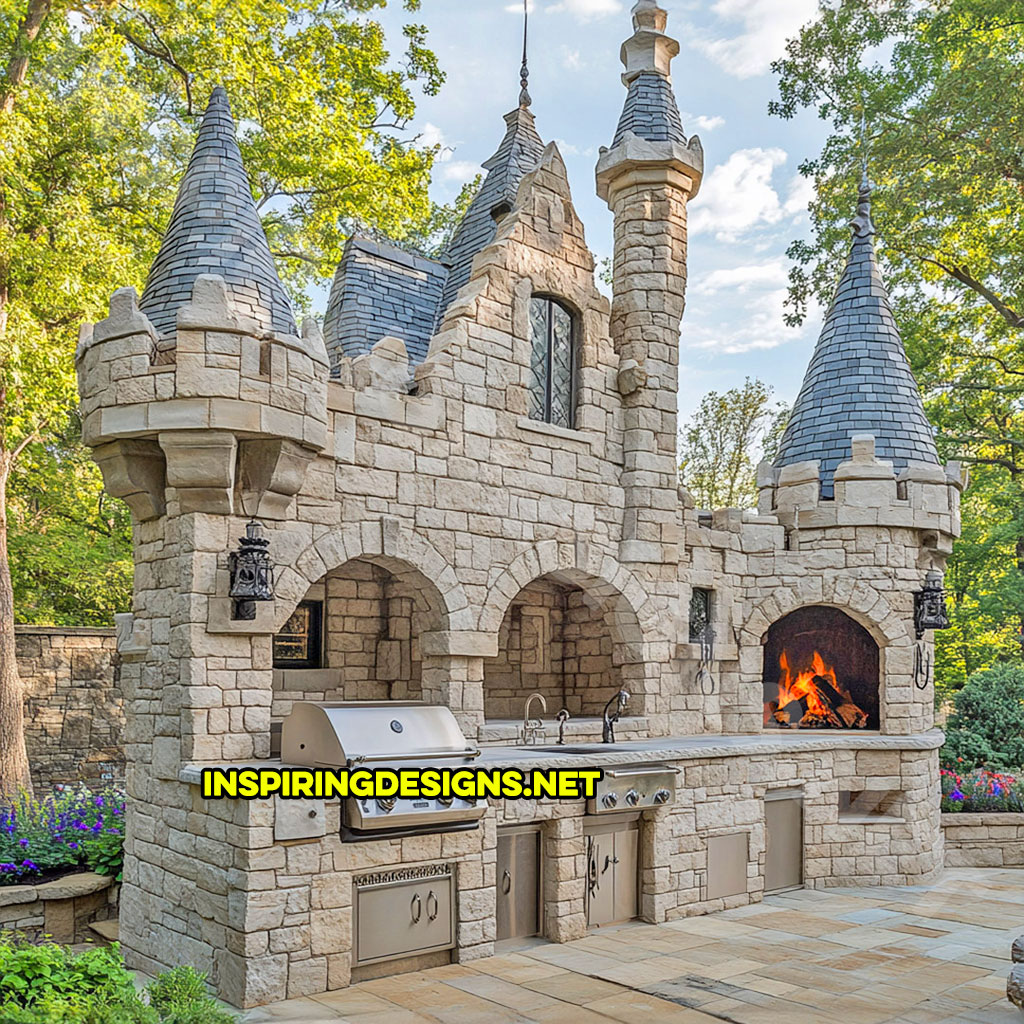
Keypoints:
(74, 715)
(62, 910)
(984, 840)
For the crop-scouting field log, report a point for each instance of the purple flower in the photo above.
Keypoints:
(23, 842)
(72, 846)
(29, 865)
(8, 867)
(957, 795)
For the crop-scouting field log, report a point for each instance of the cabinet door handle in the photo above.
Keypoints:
(432, 914)
(506, 881)
(416, 908)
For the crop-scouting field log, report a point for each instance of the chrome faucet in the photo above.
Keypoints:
(533, 727)
(563, 717)
(621, 699)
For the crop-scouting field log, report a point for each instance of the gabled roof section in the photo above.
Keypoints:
(381, 290)
(859, 380)
(520, 152)
(215, 229)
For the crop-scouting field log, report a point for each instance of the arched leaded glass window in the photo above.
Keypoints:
(552, 381)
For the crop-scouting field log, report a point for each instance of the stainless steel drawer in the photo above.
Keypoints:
(401, 917)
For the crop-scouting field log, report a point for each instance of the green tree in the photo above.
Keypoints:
(724, 440)
(945, 131)
(98, 106)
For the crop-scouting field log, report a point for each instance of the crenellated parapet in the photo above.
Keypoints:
(868, 491)
(223, 418)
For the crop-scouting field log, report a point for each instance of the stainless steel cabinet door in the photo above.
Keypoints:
(402, 918)
(784, 852)
(612, 876)
(518, 896)
(626, 874)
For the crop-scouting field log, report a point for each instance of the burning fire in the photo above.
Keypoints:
(813, 698)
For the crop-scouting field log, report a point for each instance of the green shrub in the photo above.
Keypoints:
(104, 853)
(50, 984)
(986, 728)
(180, 997)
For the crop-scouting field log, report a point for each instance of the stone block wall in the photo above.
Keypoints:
(984, 840)
(74, 710)
(61, 910)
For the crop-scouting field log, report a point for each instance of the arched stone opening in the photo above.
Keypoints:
(373, 611)
(821, 671)
(571, 638)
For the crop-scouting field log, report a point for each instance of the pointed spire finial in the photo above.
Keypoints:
(524, 71)
(863, 226)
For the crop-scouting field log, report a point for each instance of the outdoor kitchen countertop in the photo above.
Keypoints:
(658, 748)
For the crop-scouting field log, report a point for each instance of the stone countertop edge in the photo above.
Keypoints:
(669, 748)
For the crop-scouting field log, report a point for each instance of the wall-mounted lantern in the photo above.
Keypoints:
(930, 605)
(252, 572)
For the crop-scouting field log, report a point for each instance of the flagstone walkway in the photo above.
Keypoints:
(934, 954)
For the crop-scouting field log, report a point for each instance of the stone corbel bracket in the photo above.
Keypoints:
(133, 636)
(229, 411)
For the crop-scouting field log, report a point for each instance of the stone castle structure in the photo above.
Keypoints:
(469, 480)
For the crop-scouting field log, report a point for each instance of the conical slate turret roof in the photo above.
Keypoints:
(215, 229)
(859, 380)
(650, 110)
(519, 153)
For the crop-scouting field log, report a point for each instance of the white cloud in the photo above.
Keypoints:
(738, 196)
(572, 60)
(741, 309)
(461, 170)
(569, 149)
(431, 135)
(586, 9)
(704, 124)
(741, 279)
(766, 26)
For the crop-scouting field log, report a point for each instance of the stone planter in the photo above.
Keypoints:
(61, 910)
(983, 840)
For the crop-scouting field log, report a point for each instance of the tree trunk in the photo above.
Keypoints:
(17, 68)
(14, 772)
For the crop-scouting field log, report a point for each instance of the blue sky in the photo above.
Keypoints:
(752, 202)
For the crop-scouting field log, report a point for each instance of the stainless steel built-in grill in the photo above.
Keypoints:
(384, 734)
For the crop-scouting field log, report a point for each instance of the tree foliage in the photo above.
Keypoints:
(986, 728)
(724, 440)
(940, 87)
(99, 102)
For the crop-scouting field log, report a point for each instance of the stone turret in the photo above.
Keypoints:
(647, 178)
(204, 394)
(859, 380)
(858, 449)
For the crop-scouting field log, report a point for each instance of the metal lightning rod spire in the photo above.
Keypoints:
(524, 71)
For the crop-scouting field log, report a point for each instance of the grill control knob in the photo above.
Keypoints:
(662, 796)
(632, 798)
(387, 803)
(610, 799)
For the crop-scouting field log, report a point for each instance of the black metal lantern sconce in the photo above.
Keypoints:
(930, 605)
(252, 572)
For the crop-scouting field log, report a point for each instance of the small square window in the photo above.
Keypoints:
(700, 614)
(298, 645)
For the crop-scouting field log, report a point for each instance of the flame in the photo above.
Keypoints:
(814, 704)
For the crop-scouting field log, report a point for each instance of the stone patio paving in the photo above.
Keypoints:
(934, 954)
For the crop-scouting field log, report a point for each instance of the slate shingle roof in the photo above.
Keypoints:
(519, 153)
(651, 111)
(859, 380)
(380, 290)
(215, 229)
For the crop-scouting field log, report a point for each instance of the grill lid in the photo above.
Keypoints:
(334, 735)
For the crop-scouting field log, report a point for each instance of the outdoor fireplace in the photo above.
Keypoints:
(820, 672)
